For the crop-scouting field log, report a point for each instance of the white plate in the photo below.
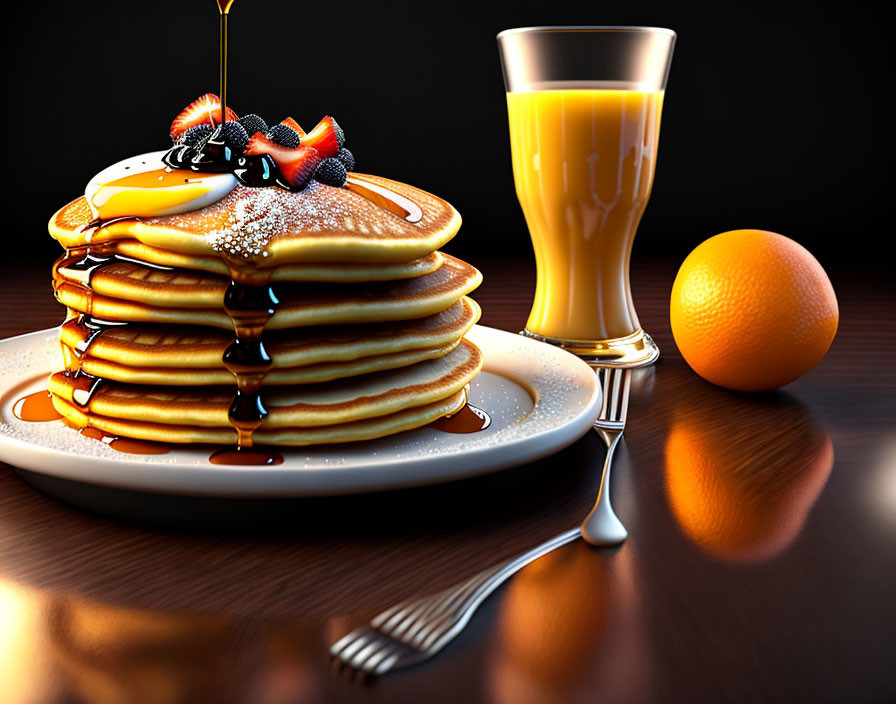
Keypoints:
(540, 398)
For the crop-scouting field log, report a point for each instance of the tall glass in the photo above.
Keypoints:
(584, 105)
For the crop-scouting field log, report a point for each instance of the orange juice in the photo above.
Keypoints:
(583, 163)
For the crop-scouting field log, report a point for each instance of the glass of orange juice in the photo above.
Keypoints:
(584, 105)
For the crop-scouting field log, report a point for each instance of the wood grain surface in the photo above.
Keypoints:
(760, 564)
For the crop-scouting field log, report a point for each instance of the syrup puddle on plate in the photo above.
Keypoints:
(468, 419)
(36, 408)
(246, 457)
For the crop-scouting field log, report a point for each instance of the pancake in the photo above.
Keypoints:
(354, 431)
(345, 401)
(372, 219)
(348, 272)
(130, 292)
(172, 349)
(308, 374)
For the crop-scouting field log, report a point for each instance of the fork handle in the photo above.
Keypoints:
(602, 526)
(514, 565)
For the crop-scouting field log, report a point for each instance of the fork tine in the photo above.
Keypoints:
(364, 636)
(370, 650)
(613, 393)
(391, 616)
(388, 663)
(626, 386)
(388, 649)
(340, 645)
(603, 374)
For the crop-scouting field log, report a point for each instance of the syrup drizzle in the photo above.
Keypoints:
(251, 303)
(75, 270)
(87, 329)
(246, 457)
(128, 446)
(36, 408)
(469, 419)
(386, 199)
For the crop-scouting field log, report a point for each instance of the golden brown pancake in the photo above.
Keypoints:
(321, 271)
(289, 408)
(184, 356)
(308, 374)
(318, 224)
(125, 291)
(354, 431)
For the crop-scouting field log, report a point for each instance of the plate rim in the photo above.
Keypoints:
(476, 461)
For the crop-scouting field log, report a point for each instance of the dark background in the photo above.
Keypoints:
(776, 117)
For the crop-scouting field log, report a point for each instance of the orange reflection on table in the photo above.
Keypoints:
(743, 471)
(568, 627)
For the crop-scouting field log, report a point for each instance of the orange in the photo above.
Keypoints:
(752, 310)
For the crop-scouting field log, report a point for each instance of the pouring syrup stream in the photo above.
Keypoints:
(224, 11)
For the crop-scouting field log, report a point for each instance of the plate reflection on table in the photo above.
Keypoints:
(743, 471)
(57, 648)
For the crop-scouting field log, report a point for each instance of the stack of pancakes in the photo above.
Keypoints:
(330, 312)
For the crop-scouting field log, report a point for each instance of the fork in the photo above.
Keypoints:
(602, 527)
(416, 629)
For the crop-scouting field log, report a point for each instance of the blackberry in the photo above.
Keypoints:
(340, 135)
(331, 172)
(347, 159)
(195, 135)
(234, 135)
(253, 123)
(284, 135)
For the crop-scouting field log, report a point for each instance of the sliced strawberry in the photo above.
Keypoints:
(297, 172)
(289, 122)
(204, 110)
(324, 137)
(296, 165)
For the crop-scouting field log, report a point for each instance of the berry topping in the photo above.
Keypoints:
(324, 137)
(298, 170)
(253, 123)
(205, 110)
(296, 165)
(284, 136)
(196, 134)
(331, 172)
(347, 159)
(234, 135)
(292, 124)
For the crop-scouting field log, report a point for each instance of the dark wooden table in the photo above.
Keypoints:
(760, 565)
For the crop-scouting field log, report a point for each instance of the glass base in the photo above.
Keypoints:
(635, 350)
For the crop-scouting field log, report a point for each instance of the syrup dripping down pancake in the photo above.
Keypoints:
(175, 355)
(289, 408)
(130, 292)
(318, 224)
